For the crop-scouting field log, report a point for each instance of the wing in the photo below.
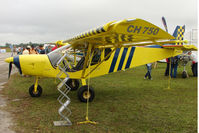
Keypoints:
(134, 31)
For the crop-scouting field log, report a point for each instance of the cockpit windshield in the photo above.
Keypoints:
(56, 55)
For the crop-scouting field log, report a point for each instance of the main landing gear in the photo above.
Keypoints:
(84, 93)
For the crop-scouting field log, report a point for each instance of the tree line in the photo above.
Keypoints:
(22, 44)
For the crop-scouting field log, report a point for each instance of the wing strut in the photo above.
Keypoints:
(88, 61)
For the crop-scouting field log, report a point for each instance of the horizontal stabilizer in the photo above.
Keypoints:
(182, 47)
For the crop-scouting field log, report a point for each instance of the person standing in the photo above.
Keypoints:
(194, 65)
(148, 74)
(167, 68)
(48, 49)
(55, 47)
(174, 66)
(42, 50)
(32, 50)
(19, 52)
(25, 51)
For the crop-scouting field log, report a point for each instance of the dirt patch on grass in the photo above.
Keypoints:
(6, 120)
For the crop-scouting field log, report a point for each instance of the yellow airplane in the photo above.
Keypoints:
(116, 46)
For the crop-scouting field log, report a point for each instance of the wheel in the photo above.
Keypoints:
(83, 94)
(73, 84)
(184, 74)
(35, 94)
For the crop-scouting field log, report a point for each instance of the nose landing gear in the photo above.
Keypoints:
(35, 90)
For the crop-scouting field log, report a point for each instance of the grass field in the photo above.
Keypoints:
(7, 49)
(124, 103)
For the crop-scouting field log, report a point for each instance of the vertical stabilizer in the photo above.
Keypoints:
(179, 33)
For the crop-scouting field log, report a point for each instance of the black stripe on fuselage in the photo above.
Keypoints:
(122, 59)
(130, 58)
(114, 60)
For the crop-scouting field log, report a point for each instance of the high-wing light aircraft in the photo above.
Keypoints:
(107, 49)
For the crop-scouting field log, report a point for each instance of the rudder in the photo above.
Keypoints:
(179, 34)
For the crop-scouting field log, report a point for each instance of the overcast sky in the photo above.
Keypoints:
(22, 21)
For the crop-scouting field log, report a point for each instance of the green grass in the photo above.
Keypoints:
(124, 102)
(7, 49)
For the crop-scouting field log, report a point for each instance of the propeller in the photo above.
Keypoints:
(10, 61)
(164, 23)
(10, 69)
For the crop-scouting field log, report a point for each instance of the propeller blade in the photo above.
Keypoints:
(10, 69)
(164, 23)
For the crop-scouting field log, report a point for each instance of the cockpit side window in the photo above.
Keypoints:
(96, 57)
(56, 55)
(107, 51)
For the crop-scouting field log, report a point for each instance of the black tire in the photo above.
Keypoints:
(184, 74)
(32, 93)
(83, 96)
(73, 84)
